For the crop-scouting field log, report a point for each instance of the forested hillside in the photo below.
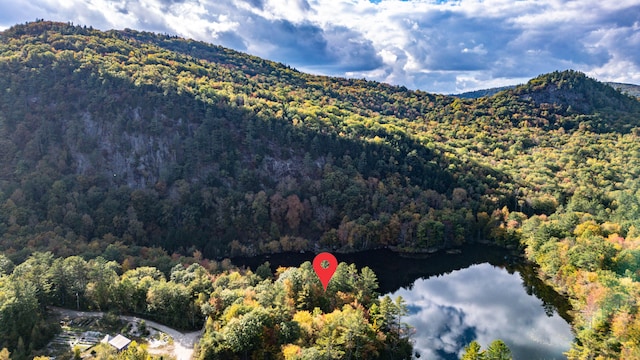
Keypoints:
(248, 315)
(133, 146)
(629, 89)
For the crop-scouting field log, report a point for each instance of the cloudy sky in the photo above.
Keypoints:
(481, 303)
(433, 45)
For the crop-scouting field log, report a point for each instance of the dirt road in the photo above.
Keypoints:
(183, 342)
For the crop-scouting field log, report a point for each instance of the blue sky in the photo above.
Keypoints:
(447, 313)
(433, 45)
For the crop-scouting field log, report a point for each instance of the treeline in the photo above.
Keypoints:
(288, 314)
(263, 314)
(497, 350)
(26, 290)
(593, 255)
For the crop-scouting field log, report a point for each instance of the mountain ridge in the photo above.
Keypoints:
(625, 88)
(114, 134)
(151, 125)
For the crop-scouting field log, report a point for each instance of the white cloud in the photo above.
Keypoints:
(440, 46)
(481, 303)
(293, 10)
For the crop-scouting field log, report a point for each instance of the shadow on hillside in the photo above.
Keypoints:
(121, 137)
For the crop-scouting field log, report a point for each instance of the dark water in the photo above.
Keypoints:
(483, 293)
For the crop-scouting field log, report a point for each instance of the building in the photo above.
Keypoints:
(119, 342)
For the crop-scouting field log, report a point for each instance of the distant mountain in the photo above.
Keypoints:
(574, 95)
(630, 89)
(571, 92)
(483, 92)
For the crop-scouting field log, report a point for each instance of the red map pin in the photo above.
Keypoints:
(325, 273)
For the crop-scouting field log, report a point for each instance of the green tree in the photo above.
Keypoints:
(473, 351)
(36, 271)
(134, 352)
(75, 279)
(498, 350)
(264, 270)
(244, 334)
(366, 286)
(102, 280)
(6, 265)
(172, 303)
(19, 313)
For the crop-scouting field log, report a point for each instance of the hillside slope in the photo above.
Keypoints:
(134, 146)
(159, 141)
(629, 89)
(573, 95)
(112, 135)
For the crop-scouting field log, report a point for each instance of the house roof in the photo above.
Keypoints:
(119, 342)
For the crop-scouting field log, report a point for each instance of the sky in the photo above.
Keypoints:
(437, 46)
(481, 303)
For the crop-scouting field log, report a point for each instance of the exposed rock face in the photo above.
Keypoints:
(575, 93)
(132, 158)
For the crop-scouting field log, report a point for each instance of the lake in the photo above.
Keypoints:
(483, 303)
(483, 293)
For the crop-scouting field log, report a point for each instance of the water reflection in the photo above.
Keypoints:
(483, 303)
(483, 293)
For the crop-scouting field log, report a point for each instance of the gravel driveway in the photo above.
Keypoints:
(183, 342)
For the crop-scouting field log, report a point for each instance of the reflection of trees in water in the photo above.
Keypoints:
(395, 271)
(401, 271)
(552, 301)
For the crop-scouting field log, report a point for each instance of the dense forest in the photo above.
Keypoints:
(263, 315)
(140, 148)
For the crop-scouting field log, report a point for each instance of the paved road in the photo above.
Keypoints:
(183, 342)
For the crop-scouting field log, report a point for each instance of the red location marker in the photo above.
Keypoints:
(325, 273)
